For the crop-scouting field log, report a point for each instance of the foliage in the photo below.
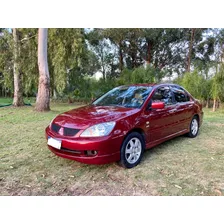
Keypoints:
(193, 83)
(217, 88)
(27, 59)
(120, 56)
(6, 60)
(141, 75)
(103, 51)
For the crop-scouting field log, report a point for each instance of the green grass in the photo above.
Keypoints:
(8, 100)
(181, 166)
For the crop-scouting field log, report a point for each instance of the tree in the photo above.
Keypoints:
(132, 48)
(218, 80)
(102, 49)
(141, 74)
(18, 90)
(191, 41)
(6, 63)
(195, 84)
(43, 96)
(118, 38)
(26, 61)
(217, 89)
(165, 48)
(69, 60)
(151, 39)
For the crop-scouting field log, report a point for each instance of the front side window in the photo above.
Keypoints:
(125, 96)
(179, 94)
(163, 94)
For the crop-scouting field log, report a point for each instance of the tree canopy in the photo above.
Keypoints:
(189, 56)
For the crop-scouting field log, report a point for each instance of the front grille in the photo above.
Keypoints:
(55, 127)
(70, 131)
(66, 131)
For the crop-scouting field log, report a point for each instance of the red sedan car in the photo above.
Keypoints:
(122, 123)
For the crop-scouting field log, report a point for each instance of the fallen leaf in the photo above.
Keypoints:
(177, 186)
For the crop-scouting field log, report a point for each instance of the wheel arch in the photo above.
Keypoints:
(197, 116)
(140, 131)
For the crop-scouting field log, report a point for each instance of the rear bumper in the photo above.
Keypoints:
(108, 148)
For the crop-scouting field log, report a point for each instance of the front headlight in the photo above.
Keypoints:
(98, 130)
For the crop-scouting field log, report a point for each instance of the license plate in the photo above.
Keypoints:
(54, 143)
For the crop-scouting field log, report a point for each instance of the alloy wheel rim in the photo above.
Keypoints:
(133, 150)
(194, 127)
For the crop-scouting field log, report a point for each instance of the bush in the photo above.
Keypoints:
(140, 75)
(85, 88)
(196, 84)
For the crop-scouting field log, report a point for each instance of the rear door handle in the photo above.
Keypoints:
(173, 111)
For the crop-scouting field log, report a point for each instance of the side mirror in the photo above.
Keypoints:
(158, 105)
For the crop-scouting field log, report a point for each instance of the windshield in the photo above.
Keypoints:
(125, 96)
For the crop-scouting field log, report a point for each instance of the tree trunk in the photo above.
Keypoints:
(43, 96)
(121, 63)
(18, 90)
(149, 50)
(55, 94)
(104, 74)
(207, 103)
(214, 105)
(217, 105)
(188, 68)
(133, 57)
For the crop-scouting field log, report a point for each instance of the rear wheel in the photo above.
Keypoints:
(132, 150)
(194, 127)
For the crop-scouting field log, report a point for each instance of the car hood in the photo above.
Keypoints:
(83, 117)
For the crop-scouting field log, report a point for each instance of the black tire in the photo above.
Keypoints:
(132, 138)
(193, 133)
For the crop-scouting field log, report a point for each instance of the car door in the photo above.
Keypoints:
(161, 123)
(184, 107)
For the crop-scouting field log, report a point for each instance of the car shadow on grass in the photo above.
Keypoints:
(163, 147)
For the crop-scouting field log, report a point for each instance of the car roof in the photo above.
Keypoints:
(142, 84)
(153, 84)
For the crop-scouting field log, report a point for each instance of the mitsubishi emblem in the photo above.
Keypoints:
(60, 131)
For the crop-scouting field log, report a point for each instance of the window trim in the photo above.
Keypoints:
(173, 99)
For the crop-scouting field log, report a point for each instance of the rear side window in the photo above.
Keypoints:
(179, 94)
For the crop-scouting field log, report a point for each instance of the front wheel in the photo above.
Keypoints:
(194, 127)
(132, 150)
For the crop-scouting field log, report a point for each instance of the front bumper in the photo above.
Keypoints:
(108, 148)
